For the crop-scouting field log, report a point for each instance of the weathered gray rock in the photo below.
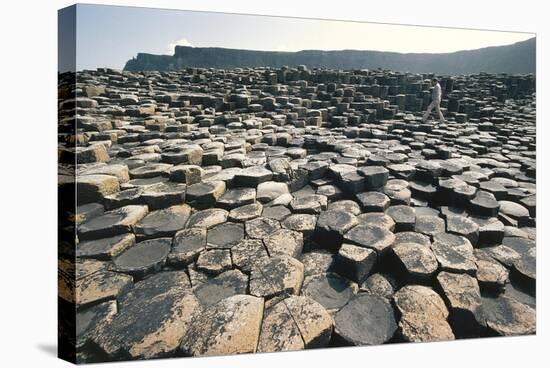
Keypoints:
(225, 235)
(331, 227)
(284, 241)
(462, 295)
(208, 218)
(330, 290)
(373, 237)
(508, 317)
(152, 320)
(187, 244)
(232, 326)
(295, 323)
(274, 276)
(204, 195)
(355, 262)
(423, 315)
(224, 285)
(101, 286)
(417, 262)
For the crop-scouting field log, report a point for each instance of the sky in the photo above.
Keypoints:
(108, 36)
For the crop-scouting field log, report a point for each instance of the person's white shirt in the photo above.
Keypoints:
(436, 93)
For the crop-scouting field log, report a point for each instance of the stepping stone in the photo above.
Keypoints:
(150, 171)
(514, 210)
(226, 284)
(375, 176)
(463, 226)
(491, 274)
(330, 290)
(163, 223)
(312, 204)
(270, 190)
(398, 192)
(352, 182)
(508, 317)
(274, 276)
(373, 237)
(365, 320)
(237, 197)
(454, 254)
(278, 213)
(462, 295)
(415, 261)
(119, 221)
(346, 205)
(380, 284)
(214, 261)
(225, 236)
(187, 174)
(285, 242)
(484, 204)
(403, 216)
(93, 153)
(208, 218)
(295, 323)
(261, 227)
(455, 191)
(246, 212)
(232, 326)
(317, 262)
(412, 237)
(303, 223)
(124, 198)
(101, 286)
(252, 176)
(373, 201)
(187, 244)
(168, 311)
(423, 315)
(146, 257)
(163, 195)
(331, 227)
(247, 253)
(93, 188)
(105, 249)
(429, 225)
(119, 171)
(204, 195)
(191, 155)
(377, 219)
(355, 262)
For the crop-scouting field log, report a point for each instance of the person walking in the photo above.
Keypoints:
(436, 101)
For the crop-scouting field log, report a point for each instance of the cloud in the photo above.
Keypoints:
(182, 42)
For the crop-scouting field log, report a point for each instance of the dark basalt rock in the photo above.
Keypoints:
(144, 258)
(187, 244)
(163, 223)
(331, 290)
(507, 317)
(226, 284)
(365, 320)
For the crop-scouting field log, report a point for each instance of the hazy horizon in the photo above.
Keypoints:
(108, 36)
